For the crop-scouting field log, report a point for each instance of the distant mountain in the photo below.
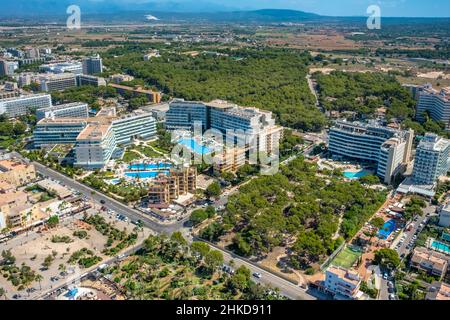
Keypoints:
(281, 14)
(174, 10)
(54, 8)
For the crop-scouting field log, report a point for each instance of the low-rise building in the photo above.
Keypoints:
(430, 261)
(16, 172)
(152, 96)
(53, 187)
(438, 291)
(119, 78)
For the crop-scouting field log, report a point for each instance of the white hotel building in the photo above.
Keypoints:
(18, 106)
(95, 139)
(223, 116)
(436, 103)
(68, 110)
(388, 149)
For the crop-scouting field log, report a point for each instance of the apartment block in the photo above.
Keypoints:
(63, 67)
(342, 282)
(68, 110)
(230, 160)
(87, 80)
(137, 125)
(18, 106)
(7, 68)
(92, 65)
(166, 188)
(435, 102)
(57, 82)
(430, 261)
(51, 131)
(431, 160)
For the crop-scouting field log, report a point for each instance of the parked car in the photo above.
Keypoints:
(392, 296)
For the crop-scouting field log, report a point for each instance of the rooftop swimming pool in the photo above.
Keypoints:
(149, 166)
(195, 146)
(356, 175)
(439, 246)
(145, 174)
(387, 229)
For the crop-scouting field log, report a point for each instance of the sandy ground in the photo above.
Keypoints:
(34, 249)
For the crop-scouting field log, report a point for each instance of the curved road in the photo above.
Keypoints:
(288, 289)
(110, 203)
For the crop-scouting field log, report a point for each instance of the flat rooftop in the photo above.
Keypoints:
(94, 132)
(9, 165)
(350, 276)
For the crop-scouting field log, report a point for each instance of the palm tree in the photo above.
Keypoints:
(3, 293)
(62, 268)
(39, 278)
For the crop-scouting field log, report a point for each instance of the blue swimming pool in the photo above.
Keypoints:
(149, 166)
(356, 175)
(145, 174)
(195, 146)
(387, 229)
(437, 245)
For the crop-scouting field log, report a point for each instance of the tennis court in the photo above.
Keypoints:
(346, 258)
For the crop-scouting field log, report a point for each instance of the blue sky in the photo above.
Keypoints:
(389, 8)
(397, 8)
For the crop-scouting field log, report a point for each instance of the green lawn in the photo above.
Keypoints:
(130, 156)
(346, 258)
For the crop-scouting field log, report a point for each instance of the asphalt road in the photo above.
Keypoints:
(286, 288)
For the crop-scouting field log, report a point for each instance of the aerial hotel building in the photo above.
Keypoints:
(388, 148)
(258, 125)
(436, 103)
(432, 160)
(94, 139)
(68, 110)
(19, 106)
